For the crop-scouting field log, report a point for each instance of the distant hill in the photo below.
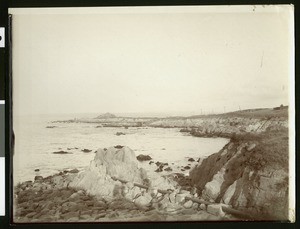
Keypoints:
(106, 115)
(281, 111)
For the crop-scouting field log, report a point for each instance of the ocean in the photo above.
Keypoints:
(35, 144)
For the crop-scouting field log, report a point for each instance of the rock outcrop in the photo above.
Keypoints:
(143, 157)
(121, 163)
(105, 116)
(112, 188)
(249, 174)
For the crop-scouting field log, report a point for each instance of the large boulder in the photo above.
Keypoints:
(115, 164)
(109, 163)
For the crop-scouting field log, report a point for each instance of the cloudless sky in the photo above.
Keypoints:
(181, 62)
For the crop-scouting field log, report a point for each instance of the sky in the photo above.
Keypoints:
(161, 60)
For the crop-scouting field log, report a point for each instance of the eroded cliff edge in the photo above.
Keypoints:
(250, 173)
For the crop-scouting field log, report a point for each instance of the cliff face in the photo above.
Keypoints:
(218, 126)
(250, 173)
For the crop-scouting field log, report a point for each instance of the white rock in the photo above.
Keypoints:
(153, 192)
(165, 201)
(180, 197)
(113, 162)
(74, 195)
(202, 206)
(172, 197)
(143, 200)
(229, 193)
(188, 204)
(133, 193)
(212, 188)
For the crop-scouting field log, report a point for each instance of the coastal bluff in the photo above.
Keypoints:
(248, 178)
(250, 173)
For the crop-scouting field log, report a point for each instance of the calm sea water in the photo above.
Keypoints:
(35, 144)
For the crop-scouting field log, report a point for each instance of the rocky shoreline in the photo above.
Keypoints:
(247, 179)
(70, 197)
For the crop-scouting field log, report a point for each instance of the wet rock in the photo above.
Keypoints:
(168, 169)
(38, 178)
(86, 150)
(61, 152)
(74, 171)
(143, 157)
(151, 162)
(187, 167)
(191, 159)
(120, 133)
(25, 185)
(159, 169)
(161, 164)
(36, 170)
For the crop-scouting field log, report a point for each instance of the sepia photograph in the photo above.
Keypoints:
(147, 114)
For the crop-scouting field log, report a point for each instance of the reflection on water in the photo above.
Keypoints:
(35, 144)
